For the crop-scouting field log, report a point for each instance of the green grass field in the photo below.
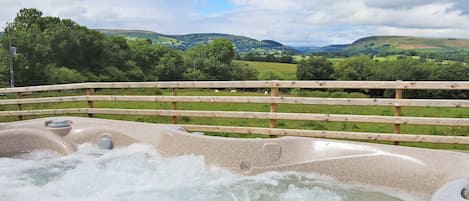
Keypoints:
(313, 125)
(287, 70)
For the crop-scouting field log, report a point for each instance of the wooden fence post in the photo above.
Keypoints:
(90, 92)
(19, 95)
(174, 119)
(273, 108)
(397, 112)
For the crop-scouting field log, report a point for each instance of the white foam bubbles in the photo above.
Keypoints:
(139, 173)
(294, 194)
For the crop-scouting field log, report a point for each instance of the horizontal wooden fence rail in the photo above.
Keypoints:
(274, 100)
(252, 115)
(250, 99)
(331, 134)
(421, 85)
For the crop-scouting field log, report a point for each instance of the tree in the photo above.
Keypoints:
(116, 51)
(26, 34)
(171, 66)
(29, 18)
(65, 75)
(214, 61)
(157, 62)
(401, 69)
(134, 72)
(355, 68)
(242, 71)
(221, 50)
(46, 42)
(451, 72)
(195, 58)
(3, 67)
(314, 68)
(112, 73)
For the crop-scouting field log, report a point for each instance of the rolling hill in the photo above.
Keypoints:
(315, 49)
(367, 45)
(182, 42)
(379, 44)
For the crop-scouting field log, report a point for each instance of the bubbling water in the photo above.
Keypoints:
(139, 173)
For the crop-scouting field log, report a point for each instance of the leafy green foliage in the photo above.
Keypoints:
(456, 72)
(170, 66)
(355, 68)
(242, 71)
(214, 61)
(402, 69)
(314, 68)
(46, 42)
(3, 67)
(65, 75)
(221, 50)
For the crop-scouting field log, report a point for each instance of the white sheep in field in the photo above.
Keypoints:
(233, 91)
(266, 92)
(216, 91)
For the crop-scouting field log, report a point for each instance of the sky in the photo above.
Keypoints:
(291, 22)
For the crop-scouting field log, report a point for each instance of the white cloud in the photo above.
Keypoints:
(399, 3)
(353, 19)
(424, 16)
(294, 22)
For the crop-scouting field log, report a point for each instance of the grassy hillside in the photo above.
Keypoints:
(402, 43)
(182, 42)
(156, 38)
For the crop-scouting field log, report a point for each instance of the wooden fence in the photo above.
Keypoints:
(274, 99)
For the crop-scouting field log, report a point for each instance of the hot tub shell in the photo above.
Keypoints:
(430, 174)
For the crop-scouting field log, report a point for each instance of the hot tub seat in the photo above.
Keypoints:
(16, 141)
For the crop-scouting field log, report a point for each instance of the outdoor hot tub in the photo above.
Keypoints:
(72, 158)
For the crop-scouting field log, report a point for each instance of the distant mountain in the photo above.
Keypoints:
(367, 45)
(334, 48)
(306, 49)
(393, 45)
(377, 44)
(182, 42)
(315, 49)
